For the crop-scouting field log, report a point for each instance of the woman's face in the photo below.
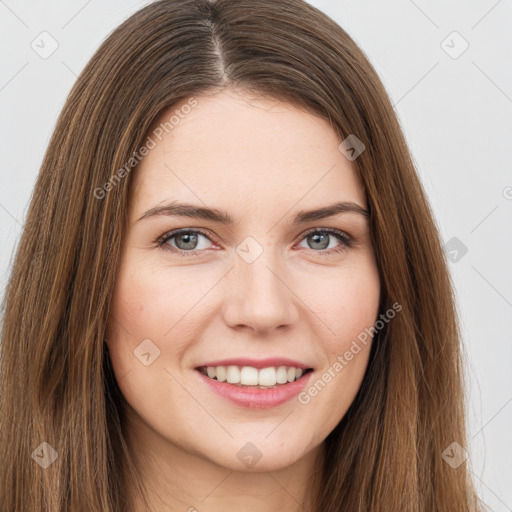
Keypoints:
(274, 287)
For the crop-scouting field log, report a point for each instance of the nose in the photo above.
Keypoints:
(259, 296)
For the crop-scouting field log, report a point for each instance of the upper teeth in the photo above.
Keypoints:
(250, 376)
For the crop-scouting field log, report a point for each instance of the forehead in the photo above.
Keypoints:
(235, 149)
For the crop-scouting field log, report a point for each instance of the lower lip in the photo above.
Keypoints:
(257, 398)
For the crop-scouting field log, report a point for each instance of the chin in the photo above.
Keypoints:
(257, 455)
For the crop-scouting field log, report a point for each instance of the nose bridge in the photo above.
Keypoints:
(257, 295)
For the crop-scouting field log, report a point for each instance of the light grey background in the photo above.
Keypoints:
(456, 111)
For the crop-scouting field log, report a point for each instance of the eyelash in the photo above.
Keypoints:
(346, 241)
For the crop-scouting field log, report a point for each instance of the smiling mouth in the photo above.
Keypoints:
(255, 378)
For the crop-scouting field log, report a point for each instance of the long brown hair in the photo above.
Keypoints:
(58, 394)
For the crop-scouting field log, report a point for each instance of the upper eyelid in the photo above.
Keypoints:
(176, 232)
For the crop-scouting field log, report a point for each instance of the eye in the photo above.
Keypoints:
(320, 239)
(185, 241)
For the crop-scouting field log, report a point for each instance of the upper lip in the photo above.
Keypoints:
(257, 363)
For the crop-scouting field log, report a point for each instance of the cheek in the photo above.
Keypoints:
(151, 303)
(136, 315)
(148, 303)
(351, 311)
(350, 305)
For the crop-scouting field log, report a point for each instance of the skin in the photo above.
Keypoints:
(261, 161)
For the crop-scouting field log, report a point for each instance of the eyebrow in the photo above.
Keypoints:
(177, 209)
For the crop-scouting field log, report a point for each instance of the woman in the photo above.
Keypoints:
(230, 292)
